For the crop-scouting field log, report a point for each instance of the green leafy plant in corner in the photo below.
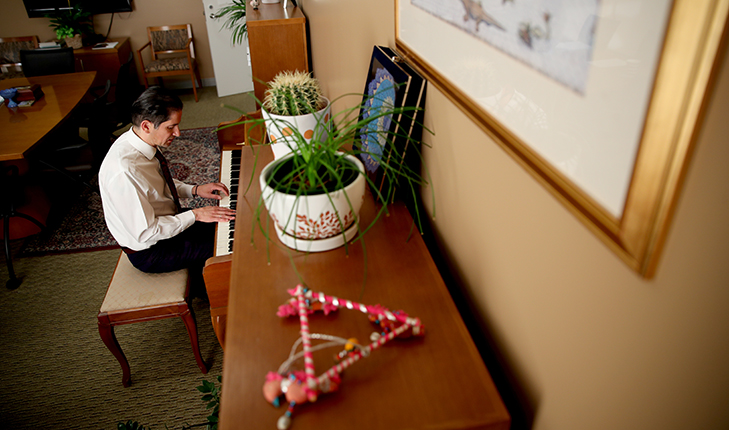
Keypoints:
(235, 20)
(211, 395)
(70, 22)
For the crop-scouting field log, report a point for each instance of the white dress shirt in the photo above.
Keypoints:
(138, 205)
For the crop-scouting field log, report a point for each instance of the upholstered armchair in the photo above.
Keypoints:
(173, 53)
(10, 48)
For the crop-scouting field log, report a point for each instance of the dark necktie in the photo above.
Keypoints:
(168, 179)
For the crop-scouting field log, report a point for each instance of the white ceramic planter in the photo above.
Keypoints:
(281, 128)
(312, 223)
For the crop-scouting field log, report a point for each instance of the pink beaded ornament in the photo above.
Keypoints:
(298, 387)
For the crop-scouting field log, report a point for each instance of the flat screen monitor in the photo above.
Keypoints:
(41, 8)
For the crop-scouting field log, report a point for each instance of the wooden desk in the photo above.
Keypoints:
(438, 381)
(22, 128)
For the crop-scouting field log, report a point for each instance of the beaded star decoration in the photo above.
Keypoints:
(298, 387)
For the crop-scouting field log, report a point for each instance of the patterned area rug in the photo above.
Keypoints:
(194, 157)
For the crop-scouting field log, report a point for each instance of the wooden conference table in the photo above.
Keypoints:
(437, 381)
(23, 128)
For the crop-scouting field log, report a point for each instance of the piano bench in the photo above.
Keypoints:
(134, 296)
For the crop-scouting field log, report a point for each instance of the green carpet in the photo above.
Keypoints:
(56, 371)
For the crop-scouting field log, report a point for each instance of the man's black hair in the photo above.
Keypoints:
(155, 105)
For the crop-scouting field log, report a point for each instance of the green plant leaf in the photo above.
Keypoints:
(235, 15)
(317, 166)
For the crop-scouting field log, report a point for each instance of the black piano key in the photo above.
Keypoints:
(232, 183)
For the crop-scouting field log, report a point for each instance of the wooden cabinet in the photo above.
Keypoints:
(105, 62)
(277, 41)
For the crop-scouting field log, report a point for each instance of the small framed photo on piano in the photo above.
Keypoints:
(391, 80)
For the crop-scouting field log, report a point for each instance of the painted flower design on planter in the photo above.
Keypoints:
(327, 225)
(381, 92)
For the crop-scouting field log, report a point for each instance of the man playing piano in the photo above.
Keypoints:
(141, 200)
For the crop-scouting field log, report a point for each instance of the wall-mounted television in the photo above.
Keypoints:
(41, 8)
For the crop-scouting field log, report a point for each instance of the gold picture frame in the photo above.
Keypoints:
(686, 59)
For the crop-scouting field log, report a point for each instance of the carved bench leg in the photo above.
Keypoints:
(106, 330)
(189, 319)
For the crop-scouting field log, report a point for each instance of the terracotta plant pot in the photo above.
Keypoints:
(74, 42)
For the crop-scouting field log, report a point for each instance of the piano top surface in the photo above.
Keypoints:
(436, 381)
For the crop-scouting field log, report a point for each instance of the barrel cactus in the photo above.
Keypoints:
(293, 93)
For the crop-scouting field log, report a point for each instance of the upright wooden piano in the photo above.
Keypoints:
(437, 381)
(277, 41)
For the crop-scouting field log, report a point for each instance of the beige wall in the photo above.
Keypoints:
(592, 345)
(133, 25)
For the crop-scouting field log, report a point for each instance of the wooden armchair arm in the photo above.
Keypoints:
(139, 54)
(139, 51)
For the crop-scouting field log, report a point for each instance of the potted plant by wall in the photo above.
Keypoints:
(313, 194)
(71, 24)
(235, 20)
(294, 101)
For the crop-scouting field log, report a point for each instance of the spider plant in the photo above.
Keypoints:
(320, 166)
(235, 20)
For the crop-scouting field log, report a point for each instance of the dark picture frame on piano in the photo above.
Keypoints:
(409, 90)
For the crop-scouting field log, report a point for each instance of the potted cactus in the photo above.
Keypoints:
(294, 104)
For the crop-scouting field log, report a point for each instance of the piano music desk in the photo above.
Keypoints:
(437, 381)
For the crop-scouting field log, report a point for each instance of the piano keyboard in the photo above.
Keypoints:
(229, 174)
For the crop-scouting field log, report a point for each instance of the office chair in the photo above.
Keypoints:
(126, 91)
(80, 160)
(41, 62)
(24, 210)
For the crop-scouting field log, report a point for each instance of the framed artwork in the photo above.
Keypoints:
(391, 82)
(598, 99)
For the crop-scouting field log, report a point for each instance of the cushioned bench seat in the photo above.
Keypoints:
(134, 296)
